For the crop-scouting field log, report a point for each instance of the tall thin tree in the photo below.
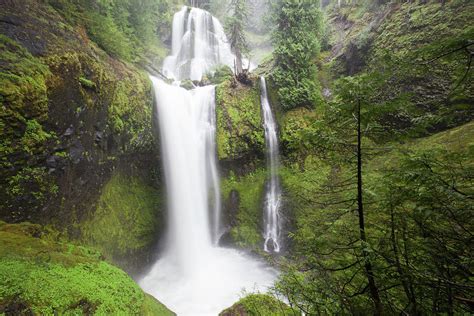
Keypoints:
(235, 28)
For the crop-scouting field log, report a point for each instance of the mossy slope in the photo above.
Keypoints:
(43, 274)
(259, 304)
(126, 219)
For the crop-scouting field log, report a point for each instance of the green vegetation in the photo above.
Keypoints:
(422, 56)
(381, 222)
(23, 100)
(384, 228)
(55, 81)
(235, 25)
(127, 29)
(413, 199)
(130, 111)
(126, 219)
(298, 26)
(220, 75)
(24, 110)
(246, 228)
(239, 126)
(87, 83)
(41, 273)
(259, 304)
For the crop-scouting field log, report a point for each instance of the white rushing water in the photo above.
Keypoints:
(272, 222)
(193, 275)
(198, 45)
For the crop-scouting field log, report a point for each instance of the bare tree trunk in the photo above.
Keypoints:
(238, 62)
(374, 292)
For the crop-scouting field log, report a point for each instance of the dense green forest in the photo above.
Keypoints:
(374, 107)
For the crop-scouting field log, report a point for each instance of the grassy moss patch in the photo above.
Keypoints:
(44, 274)
(259, 304)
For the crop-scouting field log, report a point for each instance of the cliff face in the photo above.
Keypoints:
(73, 120)
(428, 42)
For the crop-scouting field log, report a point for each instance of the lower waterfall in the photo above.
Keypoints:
(193, 276)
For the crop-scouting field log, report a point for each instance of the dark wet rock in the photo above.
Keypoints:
(69, 131)
(10, 20)
(99, 136)
(16, 307)
(76, 152)
(52, 162)
(226, 240)
(232, 206)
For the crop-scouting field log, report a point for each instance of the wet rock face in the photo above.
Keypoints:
(61, 139)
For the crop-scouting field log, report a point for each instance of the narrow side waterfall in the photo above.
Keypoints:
(194, 276)
(272, 223)
(198, 44)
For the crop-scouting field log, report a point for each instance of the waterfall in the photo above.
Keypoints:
(272, 221)
(193, 276)
(187, 129)
(198, 45)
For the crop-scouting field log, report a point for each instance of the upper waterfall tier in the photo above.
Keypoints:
(198, 45)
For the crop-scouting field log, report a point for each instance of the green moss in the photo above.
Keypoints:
(126, 219)
(130, 112)
(23, 92)
(33, 182)
(414, 25)
(23, 112)
(87, 83)
(259, 304)
(47, 275)
(246, 232)
(239, 126)
(22, 82)
(298, 131)
(152, 307)
(220, 75)
(187, 84)
(34, 137)
(455, 140)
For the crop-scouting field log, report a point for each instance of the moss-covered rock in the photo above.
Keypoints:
(259, 304)
(220, 75)
(70, 115)
(125, 223)
(24, 112)
(44, 274)
(240, 133)
(245, 218)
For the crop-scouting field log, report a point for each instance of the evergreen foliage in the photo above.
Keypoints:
(296, 42)
(128, 29)
(235, 25)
